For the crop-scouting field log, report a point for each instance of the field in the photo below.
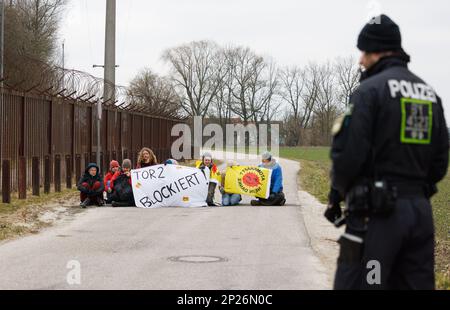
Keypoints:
(314, 178)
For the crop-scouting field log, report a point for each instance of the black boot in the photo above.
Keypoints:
(85, 203)
(256, 203)
(100, 202)
(116, 204)
(211, 192)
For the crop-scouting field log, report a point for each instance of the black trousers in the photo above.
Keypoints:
(397, 252)
(278, 199)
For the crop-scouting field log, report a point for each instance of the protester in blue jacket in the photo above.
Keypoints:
(277, 197)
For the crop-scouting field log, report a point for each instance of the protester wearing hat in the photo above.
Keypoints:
(389, 151)
(227, 198)
(122, 191)
(90, 186)
(215, 176)
(113, 168)
(277, 197)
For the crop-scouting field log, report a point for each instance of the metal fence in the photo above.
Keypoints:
(62, 130)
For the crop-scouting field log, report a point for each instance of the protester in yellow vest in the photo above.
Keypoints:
(215, 176)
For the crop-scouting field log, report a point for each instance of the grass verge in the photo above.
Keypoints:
(23, 217)
(314, 178)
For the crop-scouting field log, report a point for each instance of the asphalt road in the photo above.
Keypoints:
(185, 249)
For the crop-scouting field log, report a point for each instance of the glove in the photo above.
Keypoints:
(222, 190)
(334, 198)
(334, 211)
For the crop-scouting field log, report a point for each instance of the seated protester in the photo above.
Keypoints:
(229, 199)
(277, 197)
(113, 168)
(122, 191)
(146, 158)
(215, 176)
(91, 187)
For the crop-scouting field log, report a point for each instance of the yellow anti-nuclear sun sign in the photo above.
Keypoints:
(249, 181)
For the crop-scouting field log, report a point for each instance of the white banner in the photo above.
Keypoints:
(170, 186)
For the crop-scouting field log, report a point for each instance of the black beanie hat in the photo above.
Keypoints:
(380, 34)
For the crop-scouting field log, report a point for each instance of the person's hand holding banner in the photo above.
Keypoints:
(170, 186)
(249, 181)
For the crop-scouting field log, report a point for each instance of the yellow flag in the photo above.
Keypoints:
(248, 180)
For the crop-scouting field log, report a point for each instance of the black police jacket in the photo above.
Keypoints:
(394, 130)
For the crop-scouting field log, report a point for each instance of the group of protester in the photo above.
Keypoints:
(276, 198)
(116, 188)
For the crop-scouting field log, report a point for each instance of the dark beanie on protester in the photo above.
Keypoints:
(126, 164)
(380, 34)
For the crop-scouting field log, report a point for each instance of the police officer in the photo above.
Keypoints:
(389, 152)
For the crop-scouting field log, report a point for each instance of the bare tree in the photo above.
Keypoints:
(269, 88)
(31, 33)
(149, 89)
(292, 85)
(254, 85)
(328, 105)
(221, 108)
(348, 75)
(196, 73)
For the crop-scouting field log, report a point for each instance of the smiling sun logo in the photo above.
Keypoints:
(251, 179)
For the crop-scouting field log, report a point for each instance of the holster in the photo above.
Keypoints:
(372, 198)
(357, 199)
(383, 198)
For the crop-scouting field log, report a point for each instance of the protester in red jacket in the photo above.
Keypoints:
(122, 194)
(113, 168)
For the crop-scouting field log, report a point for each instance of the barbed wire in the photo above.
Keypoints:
(69, 84)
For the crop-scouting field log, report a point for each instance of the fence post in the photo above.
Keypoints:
(133, 160)
(94, 158)
(101, 164)
(22, 178)
(6, 181)
(119, 157)
(47, 175)
(86, 160)
(77, 168)
(107, 161)
(68, 172)
(35, 176)
(57, 178)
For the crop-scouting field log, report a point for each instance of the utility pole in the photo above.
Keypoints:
(2, 39)
(63, 54)
(110, 67)
(2, 62)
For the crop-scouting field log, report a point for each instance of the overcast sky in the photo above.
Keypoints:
(290, 31)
